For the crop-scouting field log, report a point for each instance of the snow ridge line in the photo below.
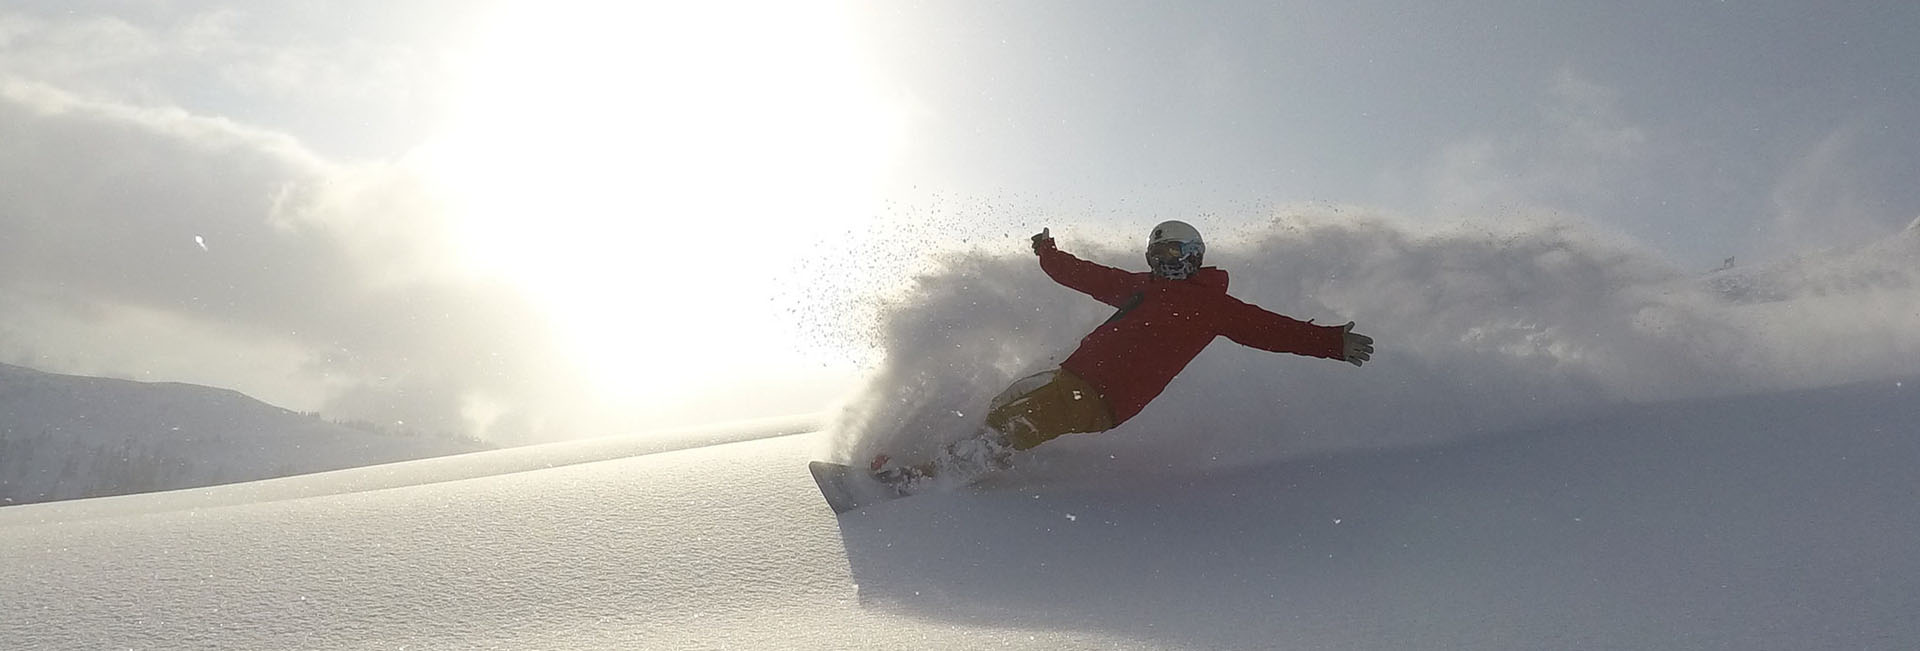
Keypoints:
(419, 472)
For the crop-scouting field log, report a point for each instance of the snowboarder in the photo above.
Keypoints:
(1166, 316)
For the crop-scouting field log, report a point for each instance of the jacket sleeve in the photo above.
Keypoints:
(1105, 284)
(1250, 325)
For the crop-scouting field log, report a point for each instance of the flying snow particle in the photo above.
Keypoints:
(200, 241)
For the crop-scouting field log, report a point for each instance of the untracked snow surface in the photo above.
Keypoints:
(1561, 445)
(1783, 521)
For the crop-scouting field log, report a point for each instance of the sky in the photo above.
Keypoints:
(544, 220)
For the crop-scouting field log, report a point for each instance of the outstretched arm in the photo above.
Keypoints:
(1251, 325)
(1106, 284)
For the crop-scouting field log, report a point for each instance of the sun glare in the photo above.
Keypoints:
(649, 171)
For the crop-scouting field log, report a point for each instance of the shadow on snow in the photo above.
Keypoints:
(1780, 521)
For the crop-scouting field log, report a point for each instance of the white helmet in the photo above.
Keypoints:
(1174, 250)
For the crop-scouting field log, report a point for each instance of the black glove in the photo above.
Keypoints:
(1042, 240)
(1356, 348)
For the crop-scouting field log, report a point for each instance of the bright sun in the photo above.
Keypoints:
(646, 171)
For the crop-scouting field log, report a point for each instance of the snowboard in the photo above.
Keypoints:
(847, 488)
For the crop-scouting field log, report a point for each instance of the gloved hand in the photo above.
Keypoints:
(1042, 240)
(1356, 348)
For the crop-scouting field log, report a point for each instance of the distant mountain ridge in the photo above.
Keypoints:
(68, 437)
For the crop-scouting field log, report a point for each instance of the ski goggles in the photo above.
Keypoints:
(1172, 249)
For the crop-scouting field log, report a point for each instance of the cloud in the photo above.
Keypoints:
(1577, 150)
(71, 47)
(365, 78)
(137, 237)
(281, 190)
(1829, 196)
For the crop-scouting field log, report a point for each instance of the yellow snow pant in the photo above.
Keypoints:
(1041, 407)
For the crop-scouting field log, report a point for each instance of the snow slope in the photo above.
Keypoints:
(66, 436)
(1774, 521)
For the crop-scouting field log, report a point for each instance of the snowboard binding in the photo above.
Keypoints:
(904, 480)
(960, 463)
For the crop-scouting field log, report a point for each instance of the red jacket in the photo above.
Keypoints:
(1163, 324)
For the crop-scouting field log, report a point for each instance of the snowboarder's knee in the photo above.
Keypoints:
(1064, 405)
